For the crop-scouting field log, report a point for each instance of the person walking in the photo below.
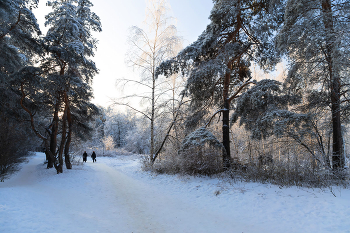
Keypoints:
(85, 157)
(93, 156)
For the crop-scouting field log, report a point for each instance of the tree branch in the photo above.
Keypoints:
(30, 114)
(235, 95)
(136, 110)
(13, 26)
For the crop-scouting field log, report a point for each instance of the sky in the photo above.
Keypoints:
(117, 16)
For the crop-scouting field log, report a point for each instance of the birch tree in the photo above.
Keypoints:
(149, 47)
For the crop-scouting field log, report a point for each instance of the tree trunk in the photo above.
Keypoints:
(226, 122)
(63, 137)
(338, 157)
(66, 150)
(54, 131)
(49, 155)
(226, 135)
(152, 117)
(338, 160)
(172, 125)
(48, 159)
(69, 136)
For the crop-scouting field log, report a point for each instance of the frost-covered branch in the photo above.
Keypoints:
(136, 110)
(13, 26)
(235, 95)
(212, 117)
(134, 81)
(30, 114)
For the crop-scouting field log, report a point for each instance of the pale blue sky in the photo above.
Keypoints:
(117, 16)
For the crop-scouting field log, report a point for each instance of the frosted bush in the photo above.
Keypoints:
(201, 153)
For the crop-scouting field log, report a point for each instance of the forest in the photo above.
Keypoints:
(204, 109)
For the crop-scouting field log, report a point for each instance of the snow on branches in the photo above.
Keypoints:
(264, 111)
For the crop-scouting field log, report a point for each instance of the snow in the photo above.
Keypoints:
(115, 195)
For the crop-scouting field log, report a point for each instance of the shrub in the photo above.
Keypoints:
(291, 173)
(200, 153)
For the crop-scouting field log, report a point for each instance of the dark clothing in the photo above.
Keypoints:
(93, 156)
(84, 157)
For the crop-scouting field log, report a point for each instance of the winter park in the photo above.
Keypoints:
(175, 116)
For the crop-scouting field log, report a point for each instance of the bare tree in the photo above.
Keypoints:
(157, 42)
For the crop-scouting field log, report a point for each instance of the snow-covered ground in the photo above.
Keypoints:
(115, 195)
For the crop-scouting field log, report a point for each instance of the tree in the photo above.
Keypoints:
(70, 44)
(148, 49)
(64, 83)
(138, 138)
(315, 36)
(267, 109)
(218, 63)
(117, 125)
(108, 142)
(19, 33)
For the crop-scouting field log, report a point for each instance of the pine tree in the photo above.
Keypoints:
(315, 37)
(218, 63)
(70, 44)
(19, 33)
(65, 77)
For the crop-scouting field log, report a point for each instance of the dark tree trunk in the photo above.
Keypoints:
(54, 131)
(226, 135)
(48, 159)
(338, 160)
(52, 157)
(49, 155)
(226, 154)
(66, 150)
(63, 137)
(69, 136)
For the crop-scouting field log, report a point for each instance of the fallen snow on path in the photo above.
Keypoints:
(115, 195)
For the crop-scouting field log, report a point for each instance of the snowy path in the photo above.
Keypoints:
(154, 211)
(104, 200)
(38, 200)
(113, 195)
